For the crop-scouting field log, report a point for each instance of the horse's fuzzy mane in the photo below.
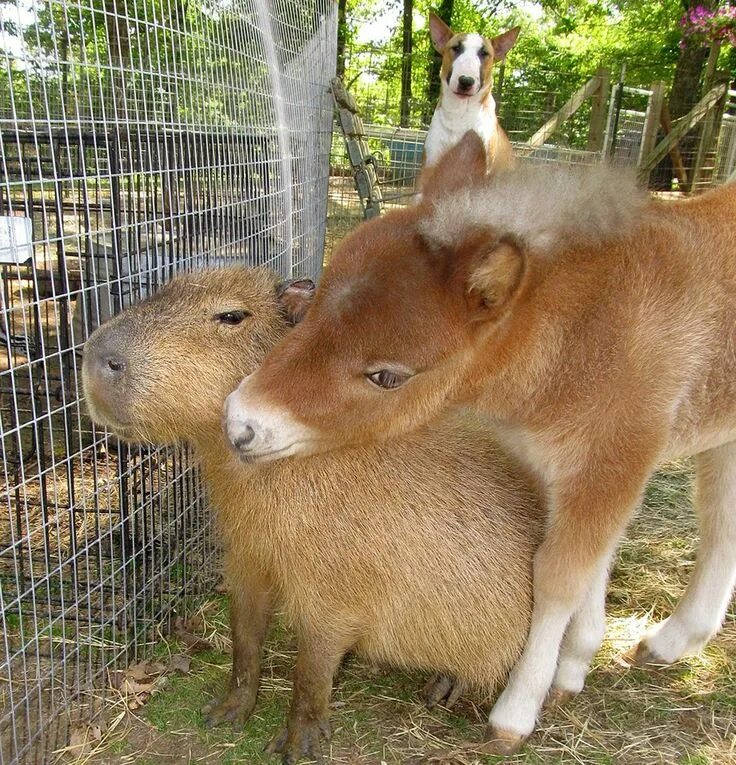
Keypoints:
(546, 207)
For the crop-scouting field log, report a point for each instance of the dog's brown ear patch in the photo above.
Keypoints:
(503, 43)
(440, 33)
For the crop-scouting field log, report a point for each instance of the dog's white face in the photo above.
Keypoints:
(469, 65)
(467, 59)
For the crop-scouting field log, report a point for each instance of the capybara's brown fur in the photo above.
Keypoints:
(416, 553)
(595, 326)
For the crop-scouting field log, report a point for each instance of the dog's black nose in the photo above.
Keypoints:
(465, 82)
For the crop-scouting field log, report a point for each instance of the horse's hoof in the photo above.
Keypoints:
(558, 697)
(643, 656)
(502, 742)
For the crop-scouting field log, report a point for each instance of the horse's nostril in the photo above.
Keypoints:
(115, 364)
(245, 438)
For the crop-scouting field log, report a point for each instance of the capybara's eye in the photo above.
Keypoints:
(387, 379)
(231, 318)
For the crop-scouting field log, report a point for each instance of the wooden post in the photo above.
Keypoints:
(684, 125)
(652, 121)
(675, 154)
(577, 99)
(598, 112)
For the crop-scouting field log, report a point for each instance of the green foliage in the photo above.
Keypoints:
(176, 62)
(562, 44)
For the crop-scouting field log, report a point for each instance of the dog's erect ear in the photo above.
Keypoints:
(503, 43)
(440, 33)
(495, 279)
(457, 167)
(295, 297)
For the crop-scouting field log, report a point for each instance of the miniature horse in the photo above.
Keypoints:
(598, 330)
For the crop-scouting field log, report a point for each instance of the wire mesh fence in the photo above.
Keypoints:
(138, 138)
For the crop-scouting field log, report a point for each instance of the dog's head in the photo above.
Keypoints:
(467, 59)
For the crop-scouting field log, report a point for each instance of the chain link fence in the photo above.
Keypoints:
(138, 138)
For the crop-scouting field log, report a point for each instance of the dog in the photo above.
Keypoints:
(466, 101)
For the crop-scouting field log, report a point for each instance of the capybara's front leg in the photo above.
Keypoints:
(308, 723)
(250, 614)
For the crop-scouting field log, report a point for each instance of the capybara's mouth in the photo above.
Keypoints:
(123, 429)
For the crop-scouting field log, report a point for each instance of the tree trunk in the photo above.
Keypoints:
(118, 46)
(444, 11)
(406, 47)
(342, 34)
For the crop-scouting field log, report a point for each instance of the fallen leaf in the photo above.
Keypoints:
(83, 738)
(138, 681)
(144, 670)
(184, 630)
(180, 662)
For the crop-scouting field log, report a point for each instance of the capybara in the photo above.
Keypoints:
(596, 327)
(416, 553)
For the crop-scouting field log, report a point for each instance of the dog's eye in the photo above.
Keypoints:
(457, 48)
(387, 379)
(483, 53)
(231, 318)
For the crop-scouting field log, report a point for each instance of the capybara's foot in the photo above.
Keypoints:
(558, 697)
(501, 742)
(235, 708)
(442, 689)
(300, 740)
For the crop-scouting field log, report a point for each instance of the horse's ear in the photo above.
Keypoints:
(495, 279)
(456, 168)
(295, 297)
(503, 43)
(440, 33)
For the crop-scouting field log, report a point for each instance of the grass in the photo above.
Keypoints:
(684, 714)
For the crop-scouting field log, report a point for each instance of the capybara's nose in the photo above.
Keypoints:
(465, 82)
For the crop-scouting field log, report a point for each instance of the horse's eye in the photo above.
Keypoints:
(231, 318)
(387, 379)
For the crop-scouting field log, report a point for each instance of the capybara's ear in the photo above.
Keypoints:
(495, 279)
(440, 33)
(295, 297)
(456, 168)
(503, 43)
